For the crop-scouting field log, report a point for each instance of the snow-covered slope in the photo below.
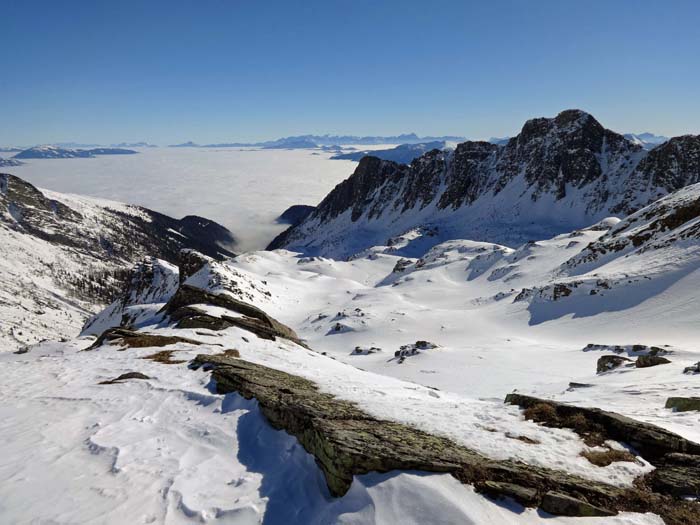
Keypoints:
(63, 257)
(168, 449)
(646, 140)
(403, 154)
(557, 175)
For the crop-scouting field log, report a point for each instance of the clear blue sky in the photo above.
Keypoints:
(225, 70)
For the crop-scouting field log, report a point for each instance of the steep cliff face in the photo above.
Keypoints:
(558, 174)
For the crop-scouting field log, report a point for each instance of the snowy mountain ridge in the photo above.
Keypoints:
(557, 175)
(63, 256)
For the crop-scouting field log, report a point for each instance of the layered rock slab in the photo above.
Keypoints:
(347, 442)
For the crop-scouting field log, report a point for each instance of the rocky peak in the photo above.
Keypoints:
(190, 262)
(355, 191)
(571, 149)
(558, 174)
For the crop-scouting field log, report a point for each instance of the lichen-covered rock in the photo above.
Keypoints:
(678, 474)
(526, 496)
(564, 505)
(347, 442)
(190, 262)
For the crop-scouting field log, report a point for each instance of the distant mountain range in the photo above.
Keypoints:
(54, 152)
(315, 141)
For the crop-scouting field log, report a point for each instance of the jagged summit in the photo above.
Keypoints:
(557, 174)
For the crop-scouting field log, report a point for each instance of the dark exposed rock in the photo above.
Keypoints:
(573, 385)
(346, 442)
(683, 404)
(609, 362)
(401, 265)
(652, 442)
(190, 262)
(632, 350)
(254, 319)
(295, 214)
(208, 233)
(124, 377)
(134, 339)
(570, 156)
(678, 475)
(693, 369)
(564, 505)
(645, 361)
(527, 496)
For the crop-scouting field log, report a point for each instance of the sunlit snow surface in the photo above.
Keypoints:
(168, 450)
(243, 189)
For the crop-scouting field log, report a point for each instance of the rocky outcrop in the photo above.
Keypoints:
(295, 214)
(645, 361)
(484, 191)
(347, 442)
(113, 236)
(678, 475)
(652, 442)
(190, 262)
(251, 318)
(610, 362)
(683, 404)
(564, 505)
(135, 339)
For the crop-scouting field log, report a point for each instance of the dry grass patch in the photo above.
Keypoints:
(603, 458)
(164, 357)
(542, 413)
